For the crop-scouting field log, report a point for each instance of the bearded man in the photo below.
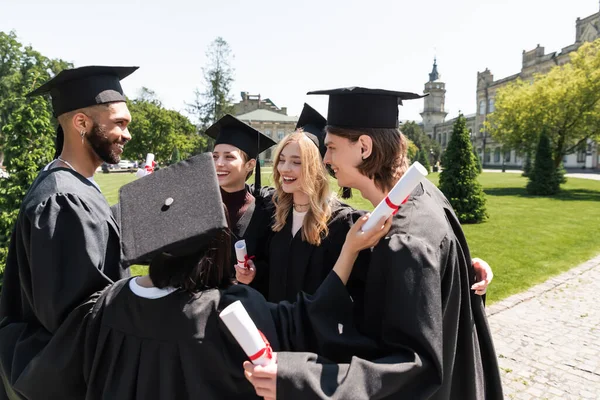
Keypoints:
(66, 243)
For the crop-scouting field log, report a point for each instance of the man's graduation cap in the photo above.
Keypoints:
(230, 130)
(72, 89)
(357, 107)
(175, 210)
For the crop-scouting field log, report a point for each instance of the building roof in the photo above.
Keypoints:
(262, 115)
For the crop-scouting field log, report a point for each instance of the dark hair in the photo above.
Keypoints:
(206, 268)
(388, 160)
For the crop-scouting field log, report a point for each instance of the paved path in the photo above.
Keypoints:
(582, 175)
(588, 175)
(548, 338)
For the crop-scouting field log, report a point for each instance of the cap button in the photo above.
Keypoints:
(168, 201)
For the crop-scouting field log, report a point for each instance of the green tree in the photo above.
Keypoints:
(478, 161)
(415, 133)
(544, 179)
(458, 180)
(214, 100)
(412, 151)
(157, 130)
(528, 165)
(565, 103)
(27, 130)
(175, 157)
(423, 158)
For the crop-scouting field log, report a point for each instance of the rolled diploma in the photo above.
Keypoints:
(400, 192)
(140, 173)
(240, 252)
(149, 159)
(244, 330)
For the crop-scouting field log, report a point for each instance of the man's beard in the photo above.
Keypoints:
(102, 146)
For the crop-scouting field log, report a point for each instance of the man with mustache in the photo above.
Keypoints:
(66, 243)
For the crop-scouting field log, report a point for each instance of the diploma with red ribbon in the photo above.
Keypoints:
(253, 342)
(397, 196)
(148, 167)
(241, 254)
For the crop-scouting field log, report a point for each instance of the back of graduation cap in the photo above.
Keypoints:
(313, 124)
(175, 210)
(358, 107)
(232, 131)
(72, 89)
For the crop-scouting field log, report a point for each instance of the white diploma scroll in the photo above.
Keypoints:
(397, 196)
(240, 253)
(149, 159)
(148, 167)
(244, 330)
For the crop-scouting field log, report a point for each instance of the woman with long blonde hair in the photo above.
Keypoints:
(309, 223)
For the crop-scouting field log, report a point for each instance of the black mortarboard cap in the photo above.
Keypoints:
(357, 107)
(76, 88)
(230, 130)
(313, 124)
(175, 210)
(72, 89)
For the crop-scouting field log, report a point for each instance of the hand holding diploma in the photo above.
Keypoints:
(244, 269)
(243, 329)
(148, 167)
(397, 196)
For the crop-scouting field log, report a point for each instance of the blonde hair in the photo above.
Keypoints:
(315, 183)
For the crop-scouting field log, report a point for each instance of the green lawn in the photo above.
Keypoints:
(526, 240)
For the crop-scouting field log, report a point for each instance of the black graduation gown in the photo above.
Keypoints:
(121, 346)
(64, 247)
(254, 226)
(298, 266)
(427, 330)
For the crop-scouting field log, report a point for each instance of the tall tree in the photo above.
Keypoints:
(458, 179)
(27, 129)
(565, 103)
(544, 179)
(214, 100)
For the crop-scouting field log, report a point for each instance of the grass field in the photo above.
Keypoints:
(526, 240)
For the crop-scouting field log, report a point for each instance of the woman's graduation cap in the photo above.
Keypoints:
(175, 210)
(358, 107)
(313, 124)
(72, 89)
(230, 130)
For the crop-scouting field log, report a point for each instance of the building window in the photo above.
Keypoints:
(482, 107)
(491, 106)
(280, 134)
(487, 156)
(444, 139)
(497, 155)
(507, 156)
(580, 156)
(268, 133)
(479, 150)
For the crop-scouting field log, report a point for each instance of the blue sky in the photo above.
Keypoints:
(283, 49)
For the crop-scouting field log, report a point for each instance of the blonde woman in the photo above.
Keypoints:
(309, 225)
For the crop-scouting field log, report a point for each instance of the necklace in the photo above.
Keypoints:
(66, 163)
(300, 205)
